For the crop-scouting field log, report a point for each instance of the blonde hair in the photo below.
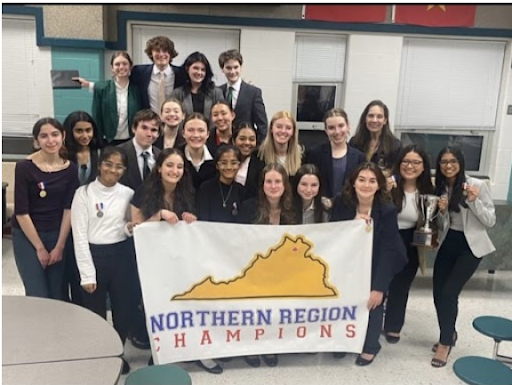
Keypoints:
(267, 152)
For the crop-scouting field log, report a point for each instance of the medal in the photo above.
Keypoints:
(99, 214)
(368, 228)
(42, 187)
(99, 207)
(464, 189)
(42, 194)
(234, 212)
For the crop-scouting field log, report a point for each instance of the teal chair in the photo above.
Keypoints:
(482, 371)
(498, 328)
(167, 374)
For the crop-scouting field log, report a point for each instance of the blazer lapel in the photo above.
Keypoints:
(327, 166)
(134, 170)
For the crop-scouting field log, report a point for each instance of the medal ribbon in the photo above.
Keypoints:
(99, 206)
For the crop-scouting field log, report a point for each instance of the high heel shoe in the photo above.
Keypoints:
(437, 363)
(360, 361)
(455, 336)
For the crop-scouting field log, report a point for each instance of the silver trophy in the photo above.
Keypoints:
(426, 235)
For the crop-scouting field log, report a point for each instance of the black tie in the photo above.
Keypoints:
(145, 166)
(230, 96)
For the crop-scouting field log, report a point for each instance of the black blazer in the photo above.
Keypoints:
(249, 212)
(256, 166)
(211, 142)
(132, 177)
(250, 108)
(321, 157)
(178, 143)
(389, 255)
(385, 160)
(94, 154)
(141, 76)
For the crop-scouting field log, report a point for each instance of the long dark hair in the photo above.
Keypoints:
(207, 85)
(154, 193)
(423, 182)
(308, 169)
(36, 129)
(457, 197)
(285, 203)
(362, 137)
(71, 144)
(349, 192)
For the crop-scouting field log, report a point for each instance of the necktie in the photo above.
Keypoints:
(145, 166)
(161, 90)
(230, 96)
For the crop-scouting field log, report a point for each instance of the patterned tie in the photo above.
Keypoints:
(161, 90)
(145, 166)
(230, 96)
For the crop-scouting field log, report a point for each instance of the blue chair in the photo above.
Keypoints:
(482, 371)
(167, 374)
(498, 328)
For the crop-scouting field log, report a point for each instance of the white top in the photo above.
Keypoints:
(153, 86)
(140, 160)
(206, 156)
(456, 221)
(241, 175)
(408, 217)
(89, 228)
(236, 91)
(122, 112)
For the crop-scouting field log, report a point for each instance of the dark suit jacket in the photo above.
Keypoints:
(249, 212)
(253, 176)
(321, 157)
(178, 143)
(141, 76)
(386, 160)
(132, 177)
(388, 255)
(250, 108)
(94, 154)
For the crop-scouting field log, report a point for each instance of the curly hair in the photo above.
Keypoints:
(160, 43)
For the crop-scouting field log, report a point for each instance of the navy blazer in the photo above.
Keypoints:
(250, 108)
(321, 157)
(386, 160)
(389, 255)
(141, 76)
(132, 177)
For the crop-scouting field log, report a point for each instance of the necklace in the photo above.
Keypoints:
(46, 164)
(222, 194)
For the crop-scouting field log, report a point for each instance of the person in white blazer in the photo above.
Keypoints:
(466, 212)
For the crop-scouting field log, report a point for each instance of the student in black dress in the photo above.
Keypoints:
(374, 137)
(44, 185)
(308, 201)
(365, 197)
(219, 199)
(101, 230)
(172, 116)
(336, 160)
(248, 175)
(222, 132)
(199, 160)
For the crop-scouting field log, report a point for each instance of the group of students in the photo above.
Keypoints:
(180, 165)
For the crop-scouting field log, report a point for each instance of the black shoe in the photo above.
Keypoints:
(150, 361)
(360, 361)
(392, 339)
(140, 344)
(339, 355)
(225, 359)
(437, 363)
(217, 369)
(126, 367)
(455, 336)
(270, 359)
(253, 361)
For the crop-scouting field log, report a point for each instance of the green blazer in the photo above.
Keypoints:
(104, 108)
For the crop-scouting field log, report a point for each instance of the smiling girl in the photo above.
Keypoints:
(222, 118)
(172, 117)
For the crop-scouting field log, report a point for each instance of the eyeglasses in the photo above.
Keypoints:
(452, 162)
(112, 166)
(413, 163)
(226, 164)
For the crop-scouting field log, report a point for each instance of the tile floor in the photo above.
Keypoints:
(407, 362)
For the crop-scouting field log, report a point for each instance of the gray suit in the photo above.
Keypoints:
(210, 99)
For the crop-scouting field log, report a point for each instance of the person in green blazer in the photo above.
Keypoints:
(116, 101)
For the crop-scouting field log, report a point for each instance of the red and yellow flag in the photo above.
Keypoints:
(436, 15)
(346, 13)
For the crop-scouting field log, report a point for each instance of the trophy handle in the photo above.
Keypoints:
(437, 212)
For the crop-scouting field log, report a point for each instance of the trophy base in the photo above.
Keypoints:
(424, 239)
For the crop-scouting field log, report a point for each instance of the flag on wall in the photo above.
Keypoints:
(269, 289)
(346, 13)
(436, 15)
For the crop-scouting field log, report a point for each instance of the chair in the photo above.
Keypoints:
(482, 371)
(498, 328)
(167, 374)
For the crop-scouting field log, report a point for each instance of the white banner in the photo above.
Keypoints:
(221, 290)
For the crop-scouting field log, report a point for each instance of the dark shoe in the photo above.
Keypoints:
(437, 363)
(126, 367)
(217, 369)
(360, 361)
(225, 359)
(339, 355)
(392, 339)
(253, 361)
(270, 359)
(455, 336)
(140, 344)
(151, 362)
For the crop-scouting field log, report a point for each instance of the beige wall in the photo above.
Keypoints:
(74, 21)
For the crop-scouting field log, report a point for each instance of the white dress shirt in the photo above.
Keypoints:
(153, 86)
(140, 160)
(122, 111)
(89, 228)
(241, 175)
(206, 156)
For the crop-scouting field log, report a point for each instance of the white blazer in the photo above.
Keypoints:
(476, 219)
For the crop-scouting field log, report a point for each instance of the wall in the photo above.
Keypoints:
(74, 21)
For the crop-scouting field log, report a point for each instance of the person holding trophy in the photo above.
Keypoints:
(466, 211)
(413, 187)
